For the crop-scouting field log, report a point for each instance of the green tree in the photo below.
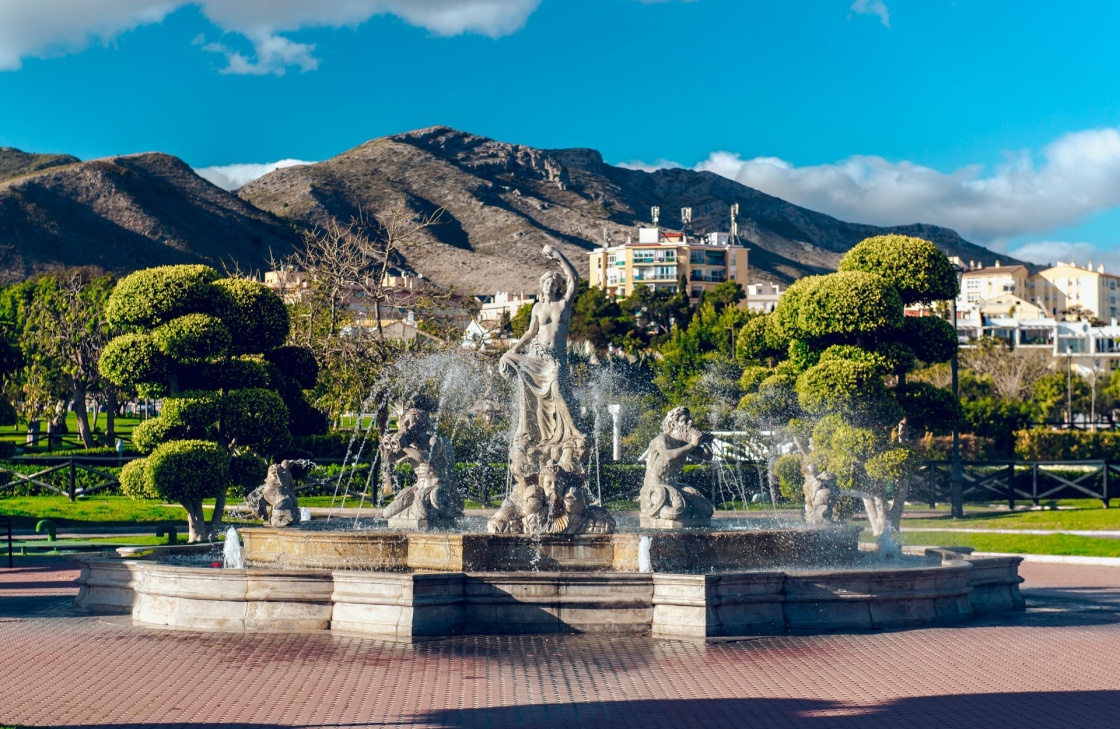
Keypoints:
(1052, 393)
(839, 350)
(214, 349)
(519, 324)
(64, 334)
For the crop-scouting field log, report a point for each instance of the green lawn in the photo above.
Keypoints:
(95, 511)
(18, 433)
(1089, 516)
(1059, 544)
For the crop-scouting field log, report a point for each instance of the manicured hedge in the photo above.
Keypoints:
(1043, 444)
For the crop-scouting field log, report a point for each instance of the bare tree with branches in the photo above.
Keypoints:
(1012, 372)
(341, 290)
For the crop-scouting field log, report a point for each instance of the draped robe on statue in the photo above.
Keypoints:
(545, 431)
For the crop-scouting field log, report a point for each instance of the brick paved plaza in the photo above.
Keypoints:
(1058, 665)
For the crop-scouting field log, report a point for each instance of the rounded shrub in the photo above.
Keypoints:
(134, 359)
(153, 296)
(916, 268)
(193, 337)
(135, 481)
(150, 434)
(255, 315)
(787, 469)
(255, 418)
(195, 410)
(187, 470)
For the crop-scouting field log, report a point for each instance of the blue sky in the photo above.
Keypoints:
(1000, 119)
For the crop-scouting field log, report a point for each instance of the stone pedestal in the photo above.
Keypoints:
(706, 606)
(649, 522)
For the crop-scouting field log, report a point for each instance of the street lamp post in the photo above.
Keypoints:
(1069, 387)
(956, 476)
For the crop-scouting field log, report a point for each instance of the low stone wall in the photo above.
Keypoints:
(106, 585)
(994, 583)
(227, 599)
(409, 605)
(708, 606)
(880, 598)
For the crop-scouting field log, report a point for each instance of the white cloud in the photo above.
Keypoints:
(1052, 251)
(47, 27)
(231, 177)
(1067, 181)
(55, 27)
(872, 7)
(661, 164)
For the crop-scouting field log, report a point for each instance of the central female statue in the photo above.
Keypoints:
(546, 432)
(549, 495)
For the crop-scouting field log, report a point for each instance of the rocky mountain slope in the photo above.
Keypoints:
(16, 163)
(124, 213)
(502, 202)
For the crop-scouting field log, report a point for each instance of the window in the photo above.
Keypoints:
(611, 259)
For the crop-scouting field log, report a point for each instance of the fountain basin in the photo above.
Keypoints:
(683, 551)
(408, 605)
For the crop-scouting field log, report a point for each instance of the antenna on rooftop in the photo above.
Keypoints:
(686, 217)
(655, 213)
(734, 224)
(606, 237)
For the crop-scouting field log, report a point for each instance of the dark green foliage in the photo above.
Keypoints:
(916, 268)
(256, 418)
(256, 316)
(197, 411)
(596, 317)
(246, 472)
(931, 338)
(929, 409)
(332, 445)
(997, 420)
(153, 296)
(236, 373)
(186, 470)
(723, 295)
(304, 419)
(297, 364)
(8, 414)
(192, 338)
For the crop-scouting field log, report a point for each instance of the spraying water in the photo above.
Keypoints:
(232, 558)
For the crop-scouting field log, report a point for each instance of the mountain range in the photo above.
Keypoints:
(501, 202)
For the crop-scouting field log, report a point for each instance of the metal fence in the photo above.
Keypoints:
(1033, 481)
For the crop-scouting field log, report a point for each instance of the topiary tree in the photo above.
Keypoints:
(845, 349)
(233, 394)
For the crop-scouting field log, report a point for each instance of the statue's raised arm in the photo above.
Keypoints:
(570, 274)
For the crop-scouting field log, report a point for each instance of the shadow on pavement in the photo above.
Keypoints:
(1040, 710)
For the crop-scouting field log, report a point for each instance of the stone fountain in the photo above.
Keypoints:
(551, 559)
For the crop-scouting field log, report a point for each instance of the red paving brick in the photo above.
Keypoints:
(1057, 665)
